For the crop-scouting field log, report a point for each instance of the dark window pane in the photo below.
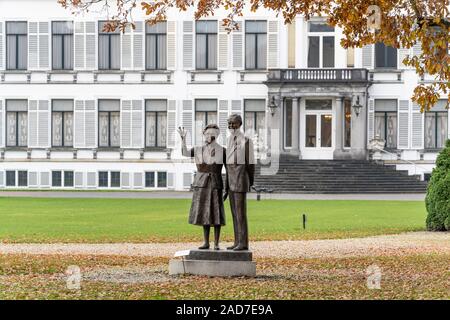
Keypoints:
(347, 123)
(22, 178)
(320, 27)
(17, 46)
(10, 178)
(385, 57)
(313, 52)
(311, 130)
(68, 178)
(56, 179)
(162, 179)
(288, 123)
(115, 179)
(150, 179)
(325, 130)
(328, 52)
(103, 179)
(250, 51)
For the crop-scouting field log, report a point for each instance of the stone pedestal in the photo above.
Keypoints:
(216, 263)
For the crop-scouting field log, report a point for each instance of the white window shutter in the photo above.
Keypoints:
(402, 54)
(137, 124)
(125, 177)
(370, 120)
(78, 124)
(125, 124)
(44, 46)
(171, 123)
(417, 128)
(44, 123)
(171, 45)
(44, 180)
(223, 123)
(79, 179)
(138, 46)
(2, 46)
(91, 45)
(188, 45)
(79, 46)
(32, 123)
(272, 45)
(2, 125)
(33, 46)
(2, 179)
(403, 124)
(32, 179)
(367, 56)
(90, 124)
(236, 107)
(170, 180)
(222, 47)
(126, 49)
(91, 179)
(187, 120)
(237, 37)
(138, 180)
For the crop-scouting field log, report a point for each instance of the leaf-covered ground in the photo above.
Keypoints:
(423, 276)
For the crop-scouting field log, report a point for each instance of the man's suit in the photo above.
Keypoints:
(240, 165)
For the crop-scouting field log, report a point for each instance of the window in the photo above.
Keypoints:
(205, 113)
(10, 178)
(386, 121)
(16, 46)
(68, 178)
(115, 179)
(206, 45)
(103, 179)
(347, 124)
(320, 45)
(150, 179)
(255, 118)
(162, 179)
(288, 123)
(350, 57)
(16, 123)
(108, 48)
(62, 45)
(22, 178)
(62, 123)
(156, 46)
(56, 179)
(385, 56)
(436, 126)
(255, 44)
(155, 123)
(109, 123)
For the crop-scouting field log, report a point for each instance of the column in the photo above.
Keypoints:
(295, 125)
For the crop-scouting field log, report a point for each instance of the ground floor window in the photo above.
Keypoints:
(10, 178)
(287, 119)
(68, 178)
(205, 113)
(150, 179)
(22, 178)
(347, 124)
(109, 123)
(62, 123)
(156, 179)
(386, 121)
(436, 129)
(162, 179)
(57, 178)
(16, 123)
(156, 123)
(103, 179)
(115, 179)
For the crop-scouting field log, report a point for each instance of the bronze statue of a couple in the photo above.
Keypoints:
(210, 191)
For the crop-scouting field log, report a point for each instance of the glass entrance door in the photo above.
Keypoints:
(317, 136)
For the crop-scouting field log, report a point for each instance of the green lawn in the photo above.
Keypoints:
(165, 220)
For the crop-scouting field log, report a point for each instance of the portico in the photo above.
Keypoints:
(320, 113)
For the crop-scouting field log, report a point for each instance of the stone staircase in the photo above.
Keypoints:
(338, 176)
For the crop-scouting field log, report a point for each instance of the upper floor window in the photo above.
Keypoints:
(255, 44)
(436, 126)
(16, 123)
(16, 45)
(205, 113)
(320, 45)
(155, 123)
(206, 44)
(109, 123)
(62, 123)
(386, 121)
(62, 45)
(156, 46)
(108, 48)
(385, 56)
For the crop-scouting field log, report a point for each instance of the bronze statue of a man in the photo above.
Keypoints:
(207, 203)
(240, 165)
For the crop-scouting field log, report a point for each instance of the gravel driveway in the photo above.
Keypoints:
(406, 243)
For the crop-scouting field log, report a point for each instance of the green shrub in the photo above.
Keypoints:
(437, 200)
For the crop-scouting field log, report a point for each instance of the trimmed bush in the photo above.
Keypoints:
(437, 200)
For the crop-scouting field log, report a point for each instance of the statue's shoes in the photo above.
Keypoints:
(204, 247)
(232, 247)
(216, 248)
(240, 248)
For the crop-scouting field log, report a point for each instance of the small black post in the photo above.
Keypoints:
(258, 196)
(304, 221)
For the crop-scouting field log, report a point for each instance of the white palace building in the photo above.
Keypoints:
(85, 109)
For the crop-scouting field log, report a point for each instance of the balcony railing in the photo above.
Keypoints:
(318, 75)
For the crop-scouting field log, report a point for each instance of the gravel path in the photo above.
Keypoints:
(406, 243)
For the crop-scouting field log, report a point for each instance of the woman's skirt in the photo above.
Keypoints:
(207, 207)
